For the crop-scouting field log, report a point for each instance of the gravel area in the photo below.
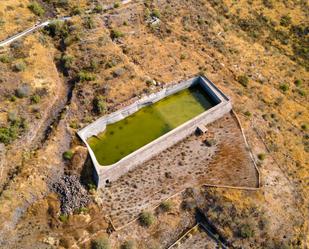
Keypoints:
(72, 194)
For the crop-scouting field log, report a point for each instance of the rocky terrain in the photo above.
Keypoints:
(108, 54)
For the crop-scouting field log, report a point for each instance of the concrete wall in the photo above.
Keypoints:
(112, 172)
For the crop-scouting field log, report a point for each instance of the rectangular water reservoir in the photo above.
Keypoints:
(121, 138)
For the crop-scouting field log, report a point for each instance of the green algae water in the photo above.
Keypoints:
(127, 135)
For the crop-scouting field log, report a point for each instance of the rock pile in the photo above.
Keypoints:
(72, 194)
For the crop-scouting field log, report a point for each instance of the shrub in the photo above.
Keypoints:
(15, 128)
(261, 156)
(156, 13)
(116, 5)
(89, 23)
(248, 113)
(128, 245)
(167, 206)
(23, 91)
(98, 8)
(301, 92)
(297, 82)
(36, 8)
(304, 127)
(35, 99)
(243, 80)
(284, 87)
(246, 231)
(101, 243)
(210, 142)
(81, 210)
(67, 155)
(285, 21)
(115, 34)
(268, 3)
(63, 218)
(19, 67)
(146, 219)
(67, 61)
(76, 11)
(99, 104)
(85, 76)
(5, 59)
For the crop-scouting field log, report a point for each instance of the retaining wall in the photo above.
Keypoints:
(104, 174)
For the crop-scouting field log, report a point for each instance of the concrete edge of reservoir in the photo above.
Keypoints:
(106, 174)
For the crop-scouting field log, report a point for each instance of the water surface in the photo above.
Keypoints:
(127, 135)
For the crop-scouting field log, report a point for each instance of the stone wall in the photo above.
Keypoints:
(104, 174)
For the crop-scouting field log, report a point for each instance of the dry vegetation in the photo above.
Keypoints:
(61, 78)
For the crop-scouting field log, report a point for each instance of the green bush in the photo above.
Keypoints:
(67, 155)
(23, 91)
(167, 205)
(98, 8)
(284, 87)
(116, 5)
(268, 3)
(146, 219)
(16, 127)
(101, 243)
(36, 8)
(285, 21)
(5, 59)
(243, 80)
(99, 104)
(128, 245)
(246, 231)
(67, 61)
(261, 156)
(248, 113)
(35, 99)
(304, 127)
(89, 23)
(156, 13)
(297, 82)
(63, 218)
(85, 76)
(115, 34)
(19, 67)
